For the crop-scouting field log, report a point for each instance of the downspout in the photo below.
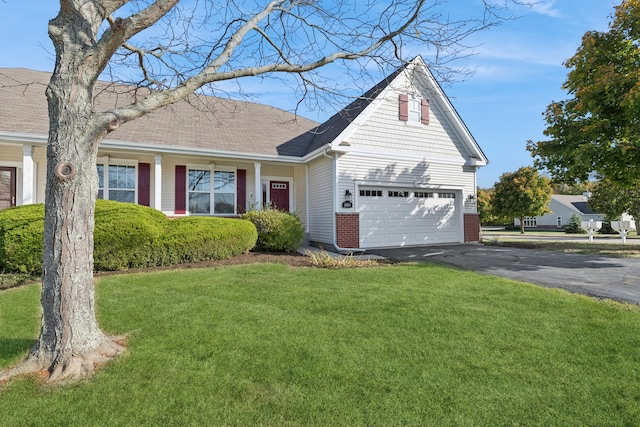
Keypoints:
(307, 213)
(334, 163)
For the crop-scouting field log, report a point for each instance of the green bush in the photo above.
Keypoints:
(278, 231)
(126, 236)
(606, 227)
(21, 231)
(195, 239)
(573, 226)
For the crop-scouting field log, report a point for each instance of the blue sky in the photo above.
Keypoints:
(517, 68)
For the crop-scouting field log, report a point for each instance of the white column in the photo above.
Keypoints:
(28, 175)
(157, 183)
(258, 183)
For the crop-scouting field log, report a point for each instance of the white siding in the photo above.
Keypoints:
(384, 132)
(355, 170)
(300, 196)
(321, 199)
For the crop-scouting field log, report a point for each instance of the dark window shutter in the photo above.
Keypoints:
(424, 111)
(181, 190)
(404, 107)
(241, 190)
(144, 184)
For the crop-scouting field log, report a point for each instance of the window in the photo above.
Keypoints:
(120, 183)
(422, 194)
(413, 109)
(199, 186)
(530, 221)
(224, 192)
(202, 191)
(371, 193)
(559, 221)
(446, 195)
(398, 193)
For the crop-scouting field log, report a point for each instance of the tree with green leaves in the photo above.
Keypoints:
(485, 209)
(520, 194)
(613, 199)
(597, 130)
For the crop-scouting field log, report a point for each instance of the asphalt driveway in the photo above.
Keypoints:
(597, 276)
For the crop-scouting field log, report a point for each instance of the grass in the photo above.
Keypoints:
(271, 345)
(604, 245)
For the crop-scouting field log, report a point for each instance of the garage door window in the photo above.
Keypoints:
(446, 195)
(371, 193)
(422, 194)
(398, 193)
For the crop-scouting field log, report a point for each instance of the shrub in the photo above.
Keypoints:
(278, 231)
(606, 227)
(573, 226)
(21, 231)
(323, 259)
(194, 239)
(126, 236)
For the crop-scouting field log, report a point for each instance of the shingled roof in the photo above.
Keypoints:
(328, 131)
(202, 122)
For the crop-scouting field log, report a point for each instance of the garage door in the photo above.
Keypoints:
(407, 216)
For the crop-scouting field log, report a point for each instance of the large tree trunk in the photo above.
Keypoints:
(70, 340)
(70, 343)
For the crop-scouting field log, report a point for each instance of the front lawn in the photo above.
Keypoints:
(268, 344)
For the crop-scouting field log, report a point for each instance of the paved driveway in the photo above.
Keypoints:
(597, 276)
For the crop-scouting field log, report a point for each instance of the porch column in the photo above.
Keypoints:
(258, 183)
(28, 174)
(157, 183)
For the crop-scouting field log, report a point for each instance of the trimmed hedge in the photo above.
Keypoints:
(278, 231)
(21, 230)
(127, 236)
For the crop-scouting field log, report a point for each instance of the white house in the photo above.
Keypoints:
(396, 167)
(562, 208)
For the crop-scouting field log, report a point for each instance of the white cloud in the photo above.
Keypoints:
(546, 8)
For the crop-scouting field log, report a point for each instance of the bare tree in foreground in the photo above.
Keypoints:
(174, 48)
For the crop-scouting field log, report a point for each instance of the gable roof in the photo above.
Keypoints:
(577, 203)
(200, 122)
(340, 125)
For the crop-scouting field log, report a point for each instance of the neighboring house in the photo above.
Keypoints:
(562, 208)
(396, 167)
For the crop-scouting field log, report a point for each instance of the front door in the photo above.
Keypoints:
(279, 195)
(7, 187)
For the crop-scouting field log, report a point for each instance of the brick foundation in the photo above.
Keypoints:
(348, 230)
(471, 228)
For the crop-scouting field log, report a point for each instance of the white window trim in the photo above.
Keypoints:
(108, 161)
(212, 168)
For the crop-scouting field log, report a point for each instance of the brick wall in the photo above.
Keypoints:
(471, 228)
(348, 230)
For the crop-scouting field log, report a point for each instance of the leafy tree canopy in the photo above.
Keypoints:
(597, 130)
(613, 199)
(522, 193)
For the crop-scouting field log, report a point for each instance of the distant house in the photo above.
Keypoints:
(562, 208)
(396, 167)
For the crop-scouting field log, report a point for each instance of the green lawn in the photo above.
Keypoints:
(271, 345)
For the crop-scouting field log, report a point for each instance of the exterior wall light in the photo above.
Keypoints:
(347, 204)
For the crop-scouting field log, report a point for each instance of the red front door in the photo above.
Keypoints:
(279, 195)
(7, 187)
